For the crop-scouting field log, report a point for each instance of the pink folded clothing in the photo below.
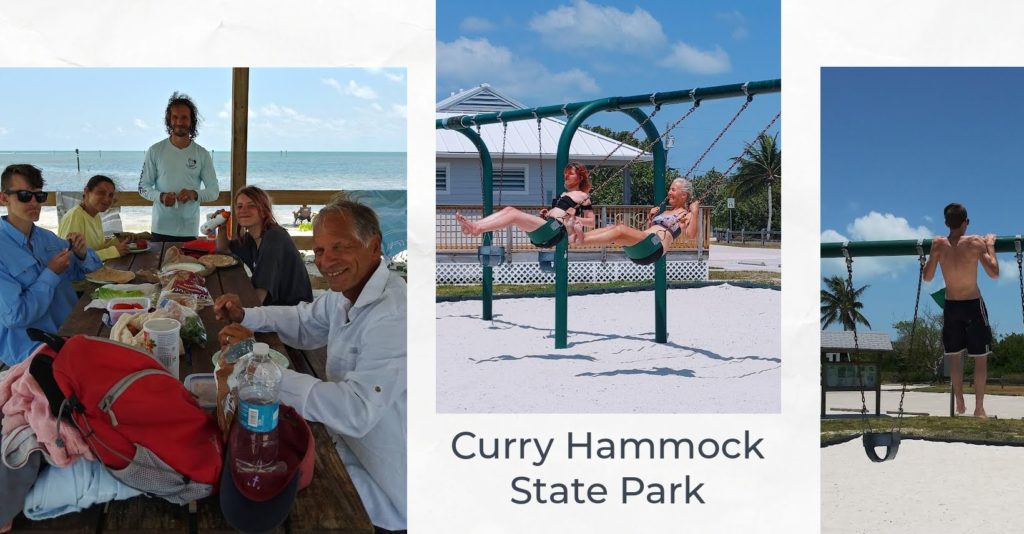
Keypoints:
(23, 401)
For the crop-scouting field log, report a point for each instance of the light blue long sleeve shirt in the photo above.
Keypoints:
(31, 295)
(169, 169)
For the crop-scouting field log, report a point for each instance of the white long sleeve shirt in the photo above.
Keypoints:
(169, 169)
(363, 399)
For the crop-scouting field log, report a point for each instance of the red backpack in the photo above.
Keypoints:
(137, 418)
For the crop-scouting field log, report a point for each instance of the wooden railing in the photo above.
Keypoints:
(281, 197)
(450, 238)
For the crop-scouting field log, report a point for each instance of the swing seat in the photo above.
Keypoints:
(646, 252)
(889, 440)
(548, 235)
(546, 260)
(490, 255)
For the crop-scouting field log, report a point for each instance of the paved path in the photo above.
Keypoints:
(745, 258)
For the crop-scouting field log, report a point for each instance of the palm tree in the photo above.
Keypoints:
(759, 166)
(840, 305)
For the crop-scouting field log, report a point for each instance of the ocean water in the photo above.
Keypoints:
(269, 170)
(377, 178)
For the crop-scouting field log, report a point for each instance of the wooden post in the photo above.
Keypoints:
(239, 132)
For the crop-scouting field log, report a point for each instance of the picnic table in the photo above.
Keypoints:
(329, 504)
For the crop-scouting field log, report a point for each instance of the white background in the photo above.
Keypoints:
(779, 494)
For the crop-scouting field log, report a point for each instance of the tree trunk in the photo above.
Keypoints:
(769, 236)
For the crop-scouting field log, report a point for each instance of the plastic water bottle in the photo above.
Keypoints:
(215, 219)
(254, 446)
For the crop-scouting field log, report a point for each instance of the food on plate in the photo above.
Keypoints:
(141, 243)
(105, 293)
(108, 275)
(126, 306)
(217, 260)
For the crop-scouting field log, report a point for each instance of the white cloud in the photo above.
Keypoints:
(470, 62)
(398, 110)
(586, 26)
(140, 124)
(1007, 272)
(476, 24)
(4, 131)
(874, 227)
(225, 110)
(331, 82)
(928, 218)
(690, 59)
(360, 91)
(738, 22)
(377, 107)
(395, 77)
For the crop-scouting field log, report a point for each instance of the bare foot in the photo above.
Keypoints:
(961, 407)
(468, 227)
(980, 413)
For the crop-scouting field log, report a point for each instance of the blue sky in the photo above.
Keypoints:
(543, 53)
(122, 109)
(897, 145)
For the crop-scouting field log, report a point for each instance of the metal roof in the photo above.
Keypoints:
(842, 341)
(521, 140)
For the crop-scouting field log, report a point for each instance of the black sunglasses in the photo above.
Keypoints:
(25, 196)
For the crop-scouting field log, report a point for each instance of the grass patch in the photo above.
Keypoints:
(760, 277)
(954, 428)
(1010, 390)
(749, 244)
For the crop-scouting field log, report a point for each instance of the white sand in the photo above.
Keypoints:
(723, 354)
(929, 487)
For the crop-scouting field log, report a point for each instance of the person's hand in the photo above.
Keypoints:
(59, 263)
(187, 195)
(168, 199)
(990, 240)
(543, 212)
(122, 246)
(77, 241)
(228, 307)
(231, 334)
(654, 211)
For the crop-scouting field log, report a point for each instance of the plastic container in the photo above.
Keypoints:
(204, 387)
(115, 313)
(162, 337)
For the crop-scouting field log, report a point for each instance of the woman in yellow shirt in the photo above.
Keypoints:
(85, 219)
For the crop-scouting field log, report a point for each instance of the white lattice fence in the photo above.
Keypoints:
(584, 271)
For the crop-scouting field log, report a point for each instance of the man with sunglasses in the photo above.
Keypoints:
(177, 174)
(36, 267)
(965, 319)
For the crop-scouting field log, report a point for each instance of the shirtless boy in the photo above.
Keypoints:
(965, 320)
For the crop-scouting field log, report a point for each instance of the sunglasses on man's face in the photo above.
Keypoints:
(25, 196)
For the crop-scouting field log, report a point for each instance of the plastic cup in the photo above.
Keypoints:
(162, 337)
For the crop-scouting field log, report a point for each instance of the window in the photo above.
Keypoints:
(441, 178)
(514, 180)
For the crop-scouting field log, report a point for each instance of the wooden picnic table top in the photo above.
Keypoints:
(329, 504)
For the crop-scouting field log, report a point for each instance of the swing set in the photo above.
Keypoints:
(889, 440)
(575, 113)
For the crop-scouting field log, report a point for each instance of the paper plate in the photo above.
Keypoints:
(105, 282)
(279, 358)
(133, 250)
(183, 266)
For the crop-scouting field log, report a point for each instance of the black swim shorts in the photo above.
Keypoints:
(966, 327)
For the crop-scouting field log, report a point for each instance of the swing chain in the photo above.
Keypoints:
(913, 332)
(504, 136)
(1020, 270)
(719, 137)
(736, 161)
(856, 342)
(540, 154)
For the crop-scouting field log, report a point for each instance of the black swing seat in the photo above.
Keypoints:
(546, 260)
(889, 440)
(490, 255)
